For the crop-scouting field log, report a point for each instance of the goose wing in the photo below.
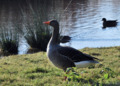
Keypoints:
(74, 55)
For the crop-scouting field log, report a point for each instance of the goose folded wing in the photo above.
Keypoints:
(74, 55)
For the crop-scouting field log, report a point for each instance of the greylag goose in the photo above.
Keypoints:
(64, 57)
(109, 23)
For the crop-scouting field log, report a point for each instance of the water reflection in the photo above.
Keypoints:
(87, 24)
(82, 19)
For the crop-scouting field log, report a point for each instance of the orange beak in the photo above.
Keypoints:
(47, 22)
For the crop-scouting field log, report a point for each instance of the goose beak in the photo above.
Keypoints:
(47, 22)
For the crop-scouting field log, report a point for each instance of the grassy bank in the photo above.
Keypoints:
(37, 70)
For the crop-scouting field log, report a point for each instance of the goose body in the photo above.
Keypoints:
(109, 23)
(64, 57)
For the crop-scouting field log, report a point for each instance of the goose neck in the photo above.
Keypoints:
(55, 35)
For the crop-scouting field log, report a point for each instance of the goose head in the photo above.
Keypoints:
(53, 23)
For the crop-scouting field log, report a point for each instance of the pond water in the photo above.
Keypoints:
(82, 21)
(87, 25)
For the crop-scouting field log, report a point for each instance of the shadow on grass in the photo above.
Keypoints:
(37, 70)
(110, 84)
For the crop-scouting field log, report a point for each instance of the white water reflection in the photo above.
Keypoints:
(79, 44)
(23, 48)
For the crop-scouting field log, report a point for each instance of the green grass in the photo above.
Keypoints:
(37, 70)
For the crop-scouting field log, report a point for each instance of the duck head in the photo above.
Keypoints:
(103, 19)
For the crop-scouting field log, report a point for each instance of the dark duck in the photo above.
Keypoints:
(109, 23)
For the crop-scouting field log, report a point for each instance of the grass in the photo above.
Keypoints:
(35, 32)
(9, 41)
(37, 70)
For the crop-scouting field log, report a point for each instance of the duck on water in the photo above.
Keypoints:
(64, 57)
(109, 23)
